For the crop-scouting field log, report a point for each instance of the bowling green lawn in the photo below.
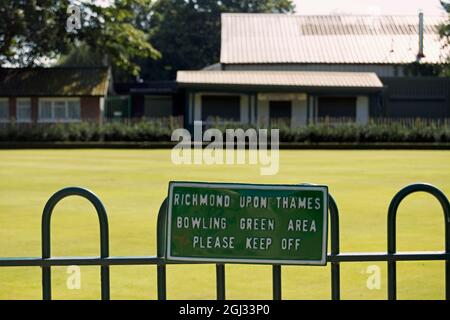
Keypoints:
(132, 184)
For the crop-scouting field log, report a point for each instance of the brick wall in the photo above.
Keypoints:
(90, 109)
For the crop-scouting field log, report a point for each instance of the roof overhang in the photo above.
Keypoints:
(283, 81)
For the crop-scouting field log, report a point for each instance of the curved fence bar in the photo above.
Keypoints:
(334, 231)
(46, 237)
(392, 231)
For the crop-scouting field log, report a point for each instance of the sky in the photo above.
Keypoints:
(395, 7)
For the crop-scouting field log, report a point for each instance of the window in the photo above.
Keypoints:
(4, 110)
(280, 113)
(337, 107)
(73, 110)
(221, 108)
(59, 110)
(45, 110)
(23, 110)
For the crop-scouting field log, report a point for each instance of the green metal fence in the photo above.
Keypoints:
(335, 257)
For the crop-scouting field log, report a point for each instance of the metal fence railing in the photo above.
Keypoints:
(335, 257)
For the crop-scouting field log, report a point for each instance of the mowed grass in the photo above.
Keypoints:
(133, 183)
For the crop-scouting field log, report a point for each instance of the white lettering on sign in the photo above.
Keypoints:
(213, 242)
(302, 225)
(195, 199)
(298, 203)
(260, 224)
(258, 243)
(253, 202)
(290, 244)
(201, 223)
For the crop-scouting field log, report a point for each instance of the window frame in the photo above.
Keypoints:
(30, 119)
(8, 117)
(53, 101)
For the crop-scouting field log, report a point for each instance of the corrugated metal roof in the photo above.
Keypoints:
(281, 38)
(54, 81)
(280, 78)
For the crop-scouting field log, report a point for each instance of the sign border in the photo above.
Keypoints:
(321, 262)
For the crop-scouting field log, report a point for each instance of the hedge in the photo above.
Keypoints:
(146, 131)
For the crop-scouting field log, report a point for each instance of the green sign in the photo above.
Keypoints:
(245, 223)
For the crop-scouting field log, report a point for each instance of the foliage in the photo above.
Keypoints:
(32, 32)
(187, 32)
(81, 55)
(444, 32)
(371, 133)
(161, 131)
(417, 69)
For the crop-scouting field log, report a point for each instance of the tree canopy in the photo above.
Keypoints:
(187, 32)
(34, 30)
(445, 34)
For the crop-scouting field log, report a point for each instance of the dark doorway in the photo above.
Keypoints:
(337, 107)
(158, 106)
(221, 108)
(280, 113)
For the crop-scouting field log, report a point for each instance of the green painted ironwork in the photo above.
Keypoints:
(334, 257)
(392, 232)
(46, 234)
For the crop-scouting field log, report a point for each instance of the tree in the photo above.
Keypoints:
(187, 32)
(34, 30)
(445, 34)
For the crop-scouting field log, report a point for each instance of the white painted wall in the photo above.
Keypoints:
(362, 109)
(299, 113)
(102, 108)
(313, 109)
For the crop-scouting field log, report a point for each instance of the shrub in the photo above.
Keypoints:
(159, 130)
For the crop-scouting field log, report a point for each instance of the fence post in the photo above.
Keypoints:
(276, 281)
(335, 267)
(46, 237)
(392, 224)
(334, 230)
(161, 250)
(220, 281)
